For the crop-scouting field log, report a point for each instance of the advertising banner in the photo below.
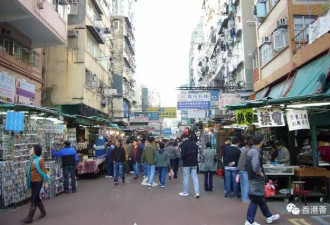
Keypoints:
(228, 99)
(15, 121)
(244, 116)
(194, 100)
(193, 105)
(7, 88)
(25, 93)
(164, 112)
(196, 113)
(153, 116)
(139, 117)
(297, 119)
(214, 99)
(270, 117)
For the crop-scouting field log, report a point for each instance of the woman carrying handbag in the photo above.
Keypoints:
(36, 176)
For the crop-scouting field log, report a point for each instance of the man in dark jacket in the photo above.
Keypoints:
(231, 156)
(189, 151)
(69, 158)
(135, 156)
(118, 156)
(256, 184)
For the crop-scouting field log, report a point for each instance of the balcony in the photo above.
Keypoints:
(96, 33)
(37, 20)
(129, 43)
(97, 6)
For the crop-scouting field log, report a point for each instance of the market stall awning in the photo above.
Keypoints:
(103, 121)
(247, 105)
(309, 78)
(280, 89)
(85, 121)
(261, 94)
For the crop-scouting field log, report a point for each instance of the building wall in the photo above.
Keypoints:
(287, 59)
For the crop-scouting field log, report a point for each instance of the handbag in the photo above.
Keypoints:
(201, 166)
(257, 188)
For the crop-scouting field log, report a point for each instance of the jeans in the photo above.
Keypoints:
(136, 167)
(208, 181)
(69, 170)
(252, 210)
(118, 168)
(109, 168)
(193, 171)
(151, 174)
(162, 171)
(175, 166)
(35, 192)
(145, 169)
(244, 180)
(231, 180)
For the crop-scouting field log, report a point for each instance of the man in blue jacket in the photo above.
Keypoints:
(69, 158)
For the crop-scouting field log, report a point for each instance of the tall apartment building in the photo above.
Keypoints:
(224, 42)
(123, 63)
(291, 36)
(26, 26)
(78, 75)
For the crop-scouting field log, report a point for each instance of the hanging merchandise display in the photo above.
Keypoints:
(297, 119)
(244, 116)
(270, 117)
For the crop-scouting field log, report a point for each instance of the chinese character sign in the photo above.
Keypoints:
(7, 88)
(194, 100)
(297, 119)
(244, 116)
(270, 117)
(164, 112)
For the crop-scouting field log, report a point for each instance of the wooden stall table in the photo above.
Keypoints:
(313, 173)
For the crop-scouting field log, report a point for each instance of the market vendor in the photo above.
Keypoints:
(283, 154)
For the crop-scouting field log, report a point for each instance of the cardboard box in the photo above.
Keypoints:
(311, 172)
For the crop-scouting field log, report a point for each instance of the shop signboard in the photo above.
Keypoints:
(7, 88)
(167, 131)
(270, 117)
(139, 117)
(164, 112)
(153, 116)
(25, 93)
(196, 113)
(244, 116)
(228, 99)
(15, 121)
(194, 100)
(297, 119)
(214, 99)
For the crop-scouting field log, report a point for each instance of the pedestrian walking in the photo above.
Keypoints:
(174, 156)
(256, 184)
(148, 157)
(231, 156)
(144, 166)
(162, 163)
(37, 175)
(109, 160)
(189, 151)
(243, 176)
(69, 158)
(135, 156)
(118, 156)
(210, 162)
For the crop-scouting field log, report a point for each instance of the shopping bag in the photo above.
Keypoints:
(270, 189)
(171, 174)
(201, 167)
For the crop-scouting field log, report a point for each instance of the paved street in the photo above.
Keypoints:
(99, 202)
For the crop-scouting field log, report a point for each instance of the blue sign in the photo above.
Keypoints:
(167, 131)
(214, 95)
(15, 121)
(194, 105)
(153, 116)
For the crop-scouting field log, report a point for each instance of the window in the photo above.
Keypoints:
(73, 8)
(280, 39)
(91, 79)
(35, 59)
(300, 23)
(17, 51)
(266, 53)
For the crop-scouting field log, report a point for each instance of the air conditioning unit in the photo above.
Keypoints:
(73, 33)
(261, 1)
(282, 23)
(266, 39)
(74, 1)
(98, 17)
(63, 2)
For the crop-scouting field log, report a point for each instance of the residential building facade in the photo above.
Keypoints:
(78, 75)
(26, 27)
(286, 43)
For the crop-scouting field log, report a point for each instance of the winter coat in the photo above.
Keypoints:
(209, 158)
(162, 159)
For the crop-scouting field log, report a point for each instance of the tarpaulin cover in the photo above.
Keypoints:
(278, 90)
(261, 94)
(307, 81)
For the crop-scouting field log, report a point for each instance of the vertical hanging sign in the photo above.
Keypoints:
(244, 116)
(297, 119)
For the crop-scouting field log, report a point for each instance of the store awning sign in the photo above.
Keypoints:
(297, 119)
(7, 88)
(153, 116)
(194, 100)
(139, 117)
(25, 93)
(270, 117)
(228, 99)
(196, 114)
(244, 116)
(193, 105)
(164, 112)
